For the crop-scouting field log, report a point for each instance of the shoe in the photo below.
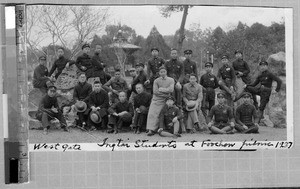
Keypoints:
(45, 131)
(178, 135)
(110, 131)
(116, 132)
(137, 131)
(150, 133)
(93, 128)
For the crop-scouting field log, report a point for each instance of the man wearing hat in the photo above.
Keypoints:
(169, 119)
(81, 92)
(141, 103)
(189, 65)
(98, 103)
(40, 75)
(246, 116)
(116, 85)
(61, 63)
(84, 62)
(241, 67)
(192, 97)
(121, 114)
(223, 122)
(262, 86)
(226, 77)
(48, 109)
(153, 66)
(209, 82)
(99, 65)
(175, 70)
(162, 88)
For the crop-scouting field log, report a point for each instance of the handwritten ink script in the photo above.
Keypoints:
(126, 144)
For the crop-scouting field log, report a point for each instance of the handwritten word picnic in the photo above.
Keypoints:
(121, 144)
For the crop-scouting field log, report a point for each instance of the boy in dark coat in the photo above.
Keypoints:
(84, 62)
(40, 75)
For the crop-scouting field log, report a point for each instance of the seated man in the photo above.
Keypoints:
(192, 97)
(98, 103)
(120, 114)
(115, 85)
(48, 109)
(223, 115)
(169, 119)
(141, 103)
(244, 116)
(81, 92)
(40, 75)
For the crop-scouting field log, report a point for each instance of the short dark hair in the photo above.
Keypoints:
(81, 73)
(97, 82)
(139, 84)
(117, 70)
(192, 74)
(61, 48)
(173, 49)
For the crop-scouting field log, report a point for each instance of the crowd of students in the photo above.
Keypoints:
(167, 100)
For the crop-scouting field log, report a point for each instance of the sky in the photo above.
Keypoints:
(143, 18)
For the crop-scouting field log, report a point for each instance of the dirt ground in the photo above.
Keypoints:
(79, 136)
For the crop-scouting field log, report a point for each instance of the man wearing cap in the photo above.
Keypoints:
(210, 82)
(245, 114)
(162, 88)
(80, 95)
(61, 63)
(226, 77)
(153, 68)
(48, 109)
(116, 85)
(40, 75)
(169, 119)
(241, 67)
(141, 103)
(98, 66)
(98, 103)
(189, 65)
(121, 113)
(192, 97)
(264, 81)
(175, 70)
(223, 122)
(131, 87)
(84, 62)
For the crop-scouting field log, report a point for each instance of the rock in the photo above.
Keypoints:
(67, 79)
(277, 63)
(267, 122)
(34, 97)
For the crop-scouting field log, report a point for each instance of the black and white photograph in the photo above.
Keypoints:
(100, 74)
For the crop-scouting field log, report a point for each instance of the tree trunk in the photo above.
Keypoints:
(181, 30)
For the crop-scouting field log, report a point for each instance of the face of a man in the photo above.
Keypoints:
(263, 67)
(118, 75)
(98, 49)
(163, 73)
(221, 100)
(86, 50)
(122, 96)
(208, 69)
(224, 61)
(246, 99)
(139, 88)
(170, 102)
(154, 53)
(238, 55)
(193, 80)
(97, 87)
(82, 78)
(188, 56)
(132, 73)
(43, 62)
(60, 52)
(139, 68)
(51, 92)
(174, 54)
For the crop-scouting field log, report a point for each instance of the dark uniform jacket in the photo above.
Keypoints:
(226, 72)
(241, 66)
(209, 80)
(142, 99)
(98, 69)
(266, 78)
(86, 61)
(167, 114)
(175, 70)
(190, 67)
(99, 99)
(120, 107)
(153, 68)
(60, 64)
(116, 84)
(222, 113)
(245, 114)
(48, 102)
(141, 78)
(82, 91)
(40, 75)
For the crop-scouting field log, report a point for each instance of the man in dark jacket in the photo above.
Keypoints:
(84, 62)
(190, 66)
(40, 75)
(98, 66)
(241, 67)
(61, 63)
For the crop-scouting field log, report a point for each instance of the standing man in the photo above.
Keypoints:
(175, 70)
(241, 67)
(190, 66)
(162, 88)
(99, 65)
(226, 77)
(153, 68)
(192, 97)
(84, 62)
(61, 63)
(40, 75)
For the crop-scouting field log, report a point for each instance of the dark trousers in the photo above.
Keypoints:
(140, 120)
(118, 122)
(178, 96)
(264, 94)
(252, 128)
(49, 115)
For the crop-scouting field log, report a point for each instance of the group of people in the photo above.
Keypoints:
(166, 100)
